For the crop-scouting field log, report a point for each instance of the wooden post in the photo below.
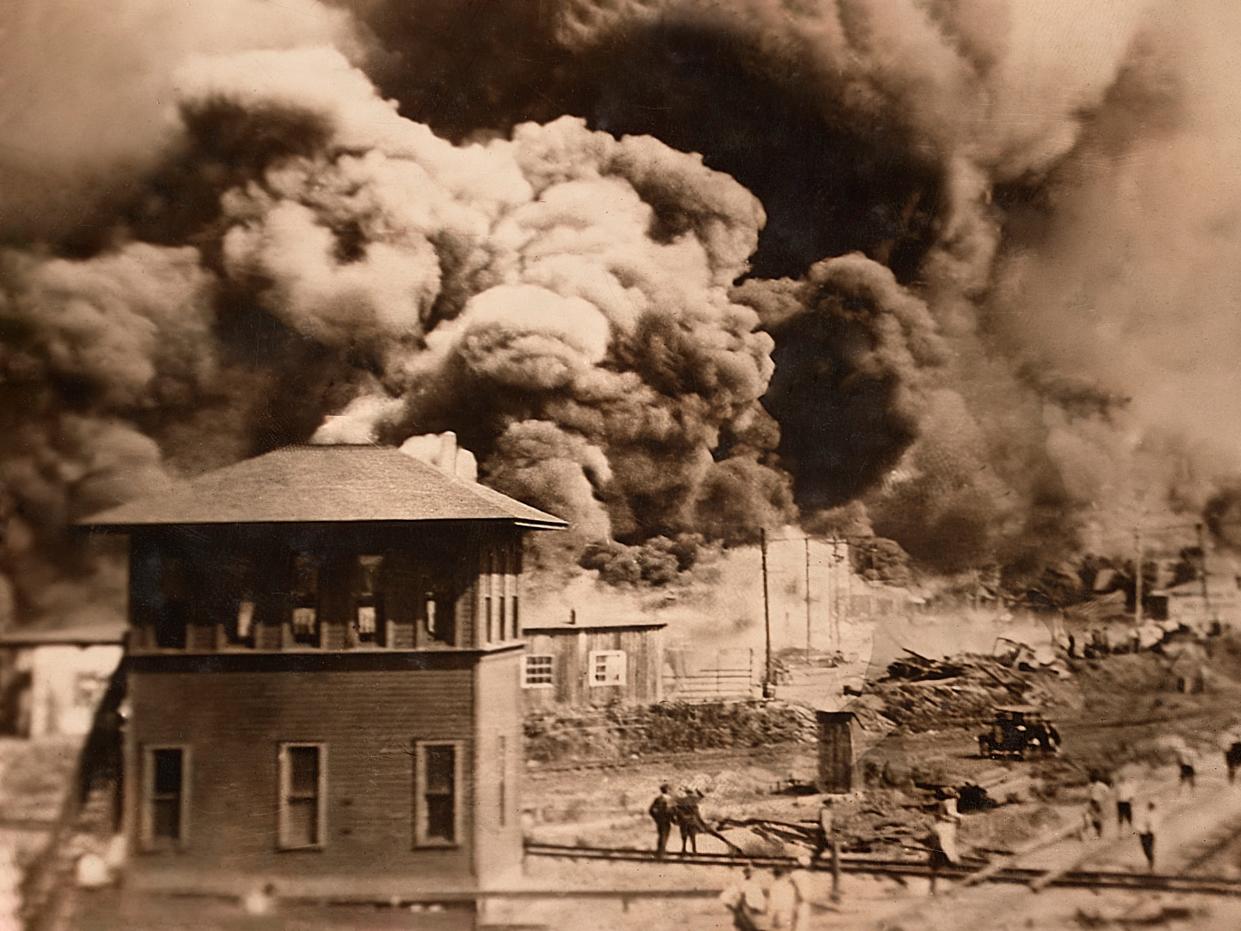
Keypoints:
(762, 543)
(1137, 579)
(835, 868)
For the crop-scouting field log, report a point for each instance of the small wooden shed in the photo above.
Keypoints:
(597, 663)
(836, 758)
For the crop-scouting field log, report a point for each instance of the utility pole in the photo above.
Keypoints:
(807, 541)
(1137, 578)
(1206, 593)
(762, 543)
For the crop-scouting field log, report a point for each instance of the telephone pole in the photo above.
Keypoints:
(1206, 593)
(1137, 579)
(762, 543)
(807, 541)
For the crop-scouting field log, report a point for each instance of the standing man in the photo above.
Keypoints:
(1125, 791)
(662, 812)
(688, 818)
(1148, 825)
(827, 819)
(1230, 743)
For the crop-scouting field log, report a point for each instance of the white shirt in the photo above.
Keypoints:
(1098, 793)
(1147, 821)
(1124, 790)
(782, 897)
(753, 895)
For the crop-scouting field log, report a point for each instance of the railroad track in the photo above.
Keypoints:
(908, 868)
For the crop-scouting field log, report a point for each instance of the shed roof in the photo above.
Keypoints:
(610, 623)
(323, 484)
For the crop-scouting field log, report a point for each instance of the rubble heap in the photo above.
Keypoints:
(923, 694)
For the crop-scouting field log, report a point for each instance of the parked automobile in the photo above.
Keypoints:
(1018, 731)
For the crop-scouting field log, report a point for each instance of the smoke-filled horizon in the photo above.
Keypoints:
(957, 273)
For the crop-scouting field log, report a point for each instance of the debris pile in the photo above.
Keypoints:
(924, 694)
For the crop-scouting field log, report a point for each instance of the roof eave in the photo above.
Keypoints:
(93, 524)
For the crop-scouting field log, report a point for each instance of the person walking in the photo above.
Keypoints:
(1098, 793)
(1125, 790)
(1187, 761)
(1148, 827)
(944, 836)
(782, 901)
(827, 827)
(803, 882)
(1230, 743)
(663, 813)
(746, 899)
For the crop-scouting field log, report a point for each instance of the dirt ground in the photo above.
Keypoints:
(1111, 711)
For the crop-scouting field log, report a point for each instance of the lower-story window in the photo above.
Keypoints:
(303, 795)
(165, 789)
(437, 793)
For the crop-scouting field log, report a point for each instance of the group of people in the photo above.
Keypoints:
(1122, 792)
(779, 903)
(681, 809)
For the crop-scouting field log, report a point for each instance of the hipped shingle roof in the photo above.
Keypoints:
(323, 484)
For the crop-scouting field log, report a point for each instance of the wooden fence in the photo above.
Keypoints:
(707, 675)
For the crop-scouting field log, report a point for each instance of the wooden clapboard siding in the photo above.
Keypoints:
(235, 716)
(571, 647)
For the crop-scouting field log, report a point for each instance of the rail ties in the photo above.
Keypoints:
(907, 868)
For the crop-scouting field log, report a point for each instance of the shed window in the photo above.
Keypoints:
(607, 667)
(303, 795)
(437, 793)
(305, 599)
(539, 668)
(165, 772)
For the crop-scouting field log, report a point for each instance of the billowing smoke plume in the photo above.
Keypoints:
(958, 272)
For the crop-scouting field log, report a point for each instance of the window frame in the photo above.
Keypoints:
(371, 598)
(551, 671)
(284, 786)
(591, 671)
(298, 601)
(149, 841)
(421, 838)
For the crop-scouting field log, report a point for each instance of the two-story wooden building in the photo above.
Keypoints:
(324, 674)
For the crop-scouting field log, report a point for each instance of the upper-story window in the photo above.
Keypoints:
(503, 592)
(437, 607)
(487, 584)
(368, 600)
(514, 584)
(174, 600)
(239, 612)
(305, 598)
